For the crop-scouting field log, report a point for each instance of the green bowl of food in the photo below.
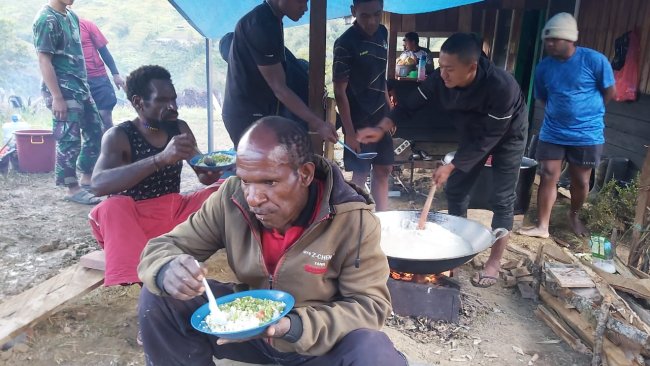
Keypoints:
(215, 161)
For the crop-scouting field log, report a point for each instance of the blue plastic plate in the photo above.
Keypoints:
(194, 161)
(198, 318)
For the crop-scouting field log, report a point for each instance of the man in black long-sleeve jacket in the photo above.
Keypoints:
(490, 112)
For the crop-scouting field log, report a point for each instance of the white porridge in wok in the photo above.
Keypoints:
(434, 241)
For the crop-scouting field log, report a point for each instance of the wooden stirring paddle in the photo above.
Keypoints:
(427, 206)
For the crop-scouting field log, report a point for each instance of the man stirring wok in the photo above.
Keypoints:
(490, 113)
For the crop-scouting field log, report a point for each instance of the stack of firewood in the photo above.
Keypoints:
(598, 313)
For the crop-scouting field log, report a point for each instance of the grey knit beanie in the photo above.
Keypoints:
(561, 26)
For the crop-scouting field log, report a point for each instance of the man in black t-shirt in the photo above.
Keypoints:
(489, 109)
(359, 75)
(256, 82)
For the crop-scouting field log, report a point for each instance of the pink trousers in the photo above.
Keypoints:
(123, 227)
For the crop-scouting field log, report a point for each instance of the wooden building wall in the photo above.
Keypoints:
(483, 18)
(627, 124)
(445, 22)
(600, 22)
(627, 129)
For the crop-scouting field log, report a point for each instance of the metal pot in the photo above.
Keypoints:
(484, 183)
(525, 162)
(476, 236)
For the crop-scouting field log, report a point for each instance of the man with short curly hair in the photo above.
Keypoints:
(140, 167)
(287, 221)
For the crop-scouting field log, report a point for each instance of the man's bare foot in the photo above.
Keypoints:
(576, 224)
(533, 231)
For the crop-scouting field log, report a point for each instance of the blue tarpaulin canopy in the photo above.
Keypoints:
(214, 18)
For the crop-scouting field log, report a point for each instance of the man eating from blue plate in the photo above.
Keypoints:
(288, 221)
(140, 168)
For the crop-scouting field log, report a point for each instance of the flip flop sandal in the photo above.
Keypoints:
(481, 277)
(87, 188)
(83, 197)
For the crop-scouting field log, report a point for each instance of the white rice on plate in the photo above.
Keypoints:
(245, 313)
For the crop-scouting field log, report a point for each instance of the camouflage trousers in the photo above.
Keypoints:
(78, 141)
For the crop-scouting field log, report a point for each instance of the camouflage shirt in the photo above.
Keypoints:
(58, 34)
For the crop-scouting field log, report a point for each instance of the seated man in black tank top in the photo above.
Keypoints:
(140, 168)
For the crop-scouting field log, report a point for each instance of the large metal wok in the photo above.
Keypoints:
(476, 236)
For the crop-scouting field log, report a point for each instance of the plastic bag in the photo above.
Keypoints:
(627, 78)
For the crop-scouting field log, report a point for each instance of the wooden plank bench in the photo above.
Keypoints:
(26, 309)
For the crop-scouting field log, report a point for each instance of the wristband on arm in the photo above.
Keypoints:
(295, 328)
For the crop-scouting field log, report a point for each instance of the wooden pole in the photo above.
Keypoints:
(465, 19)
(317, 33)
(330, 115)
(641, 213)
(393, 22)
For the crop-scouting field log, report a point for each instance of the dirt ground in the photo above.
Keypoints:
(40, 234)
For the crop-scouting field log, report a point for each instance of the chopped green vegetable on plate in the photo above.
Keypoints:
(215, 159)
(245, 313)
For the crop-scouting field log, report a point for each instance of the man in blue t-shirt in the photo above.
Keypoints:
(574, 84)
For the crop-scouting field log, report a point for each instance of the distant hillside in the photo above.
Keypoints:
(139, 32)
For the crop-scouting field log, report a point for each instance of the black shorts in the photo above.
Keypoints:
(385, 156)
(586, 156)
(103, 93)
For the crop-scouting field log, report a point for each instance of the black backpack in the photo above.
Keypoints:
(621, 45)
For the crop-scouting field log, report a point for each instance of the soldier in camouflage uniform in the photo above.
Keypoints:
(77, 124)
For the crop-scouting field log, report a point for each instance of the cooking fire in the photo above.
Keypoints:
(419, 278)
(434, 296)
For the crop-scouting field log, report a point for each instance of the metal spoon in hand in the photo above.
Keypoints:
(364, 156)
